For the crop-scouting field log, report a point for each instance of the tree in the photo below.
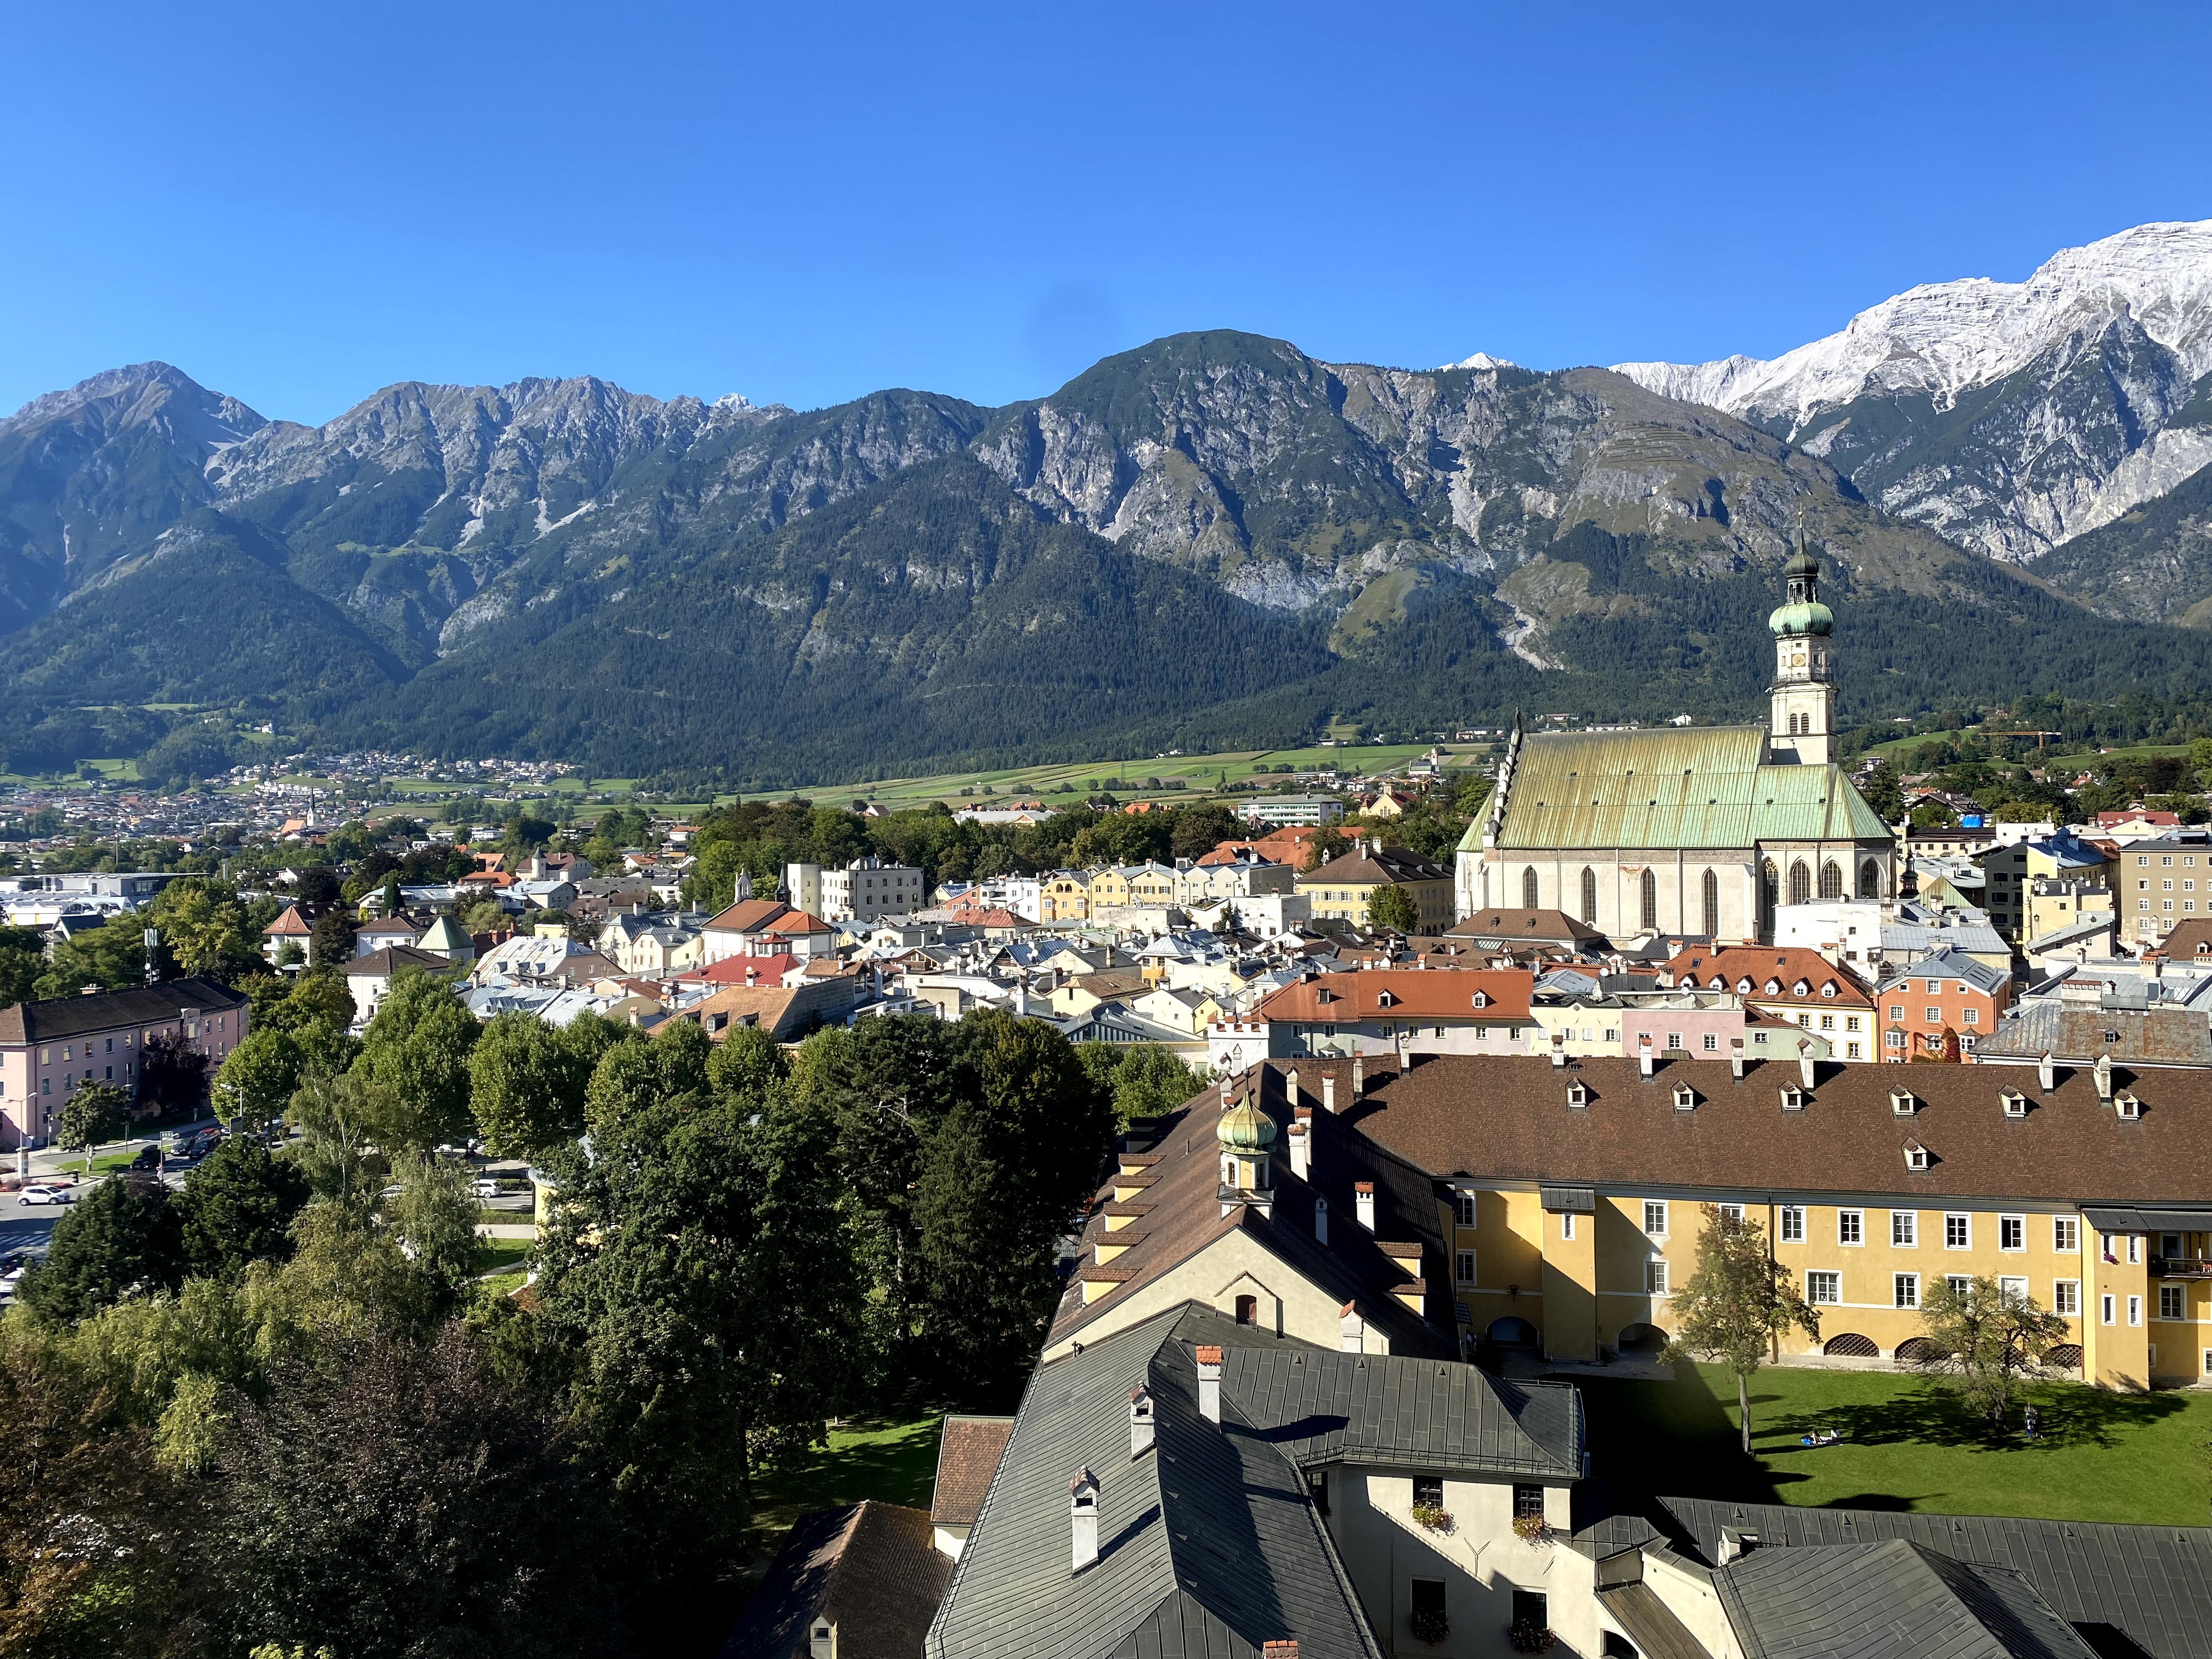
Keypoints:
(1736, 1303)
(526, 1083)
(1880, 789)
(1325, 844)
(89, 1526)
(348, 1125)
(1392, 909)
(22, 959)
(1987, 1342)
(171, 1077)
(113, 957)
(417, 1046)
(703, 1263)
(524, 835)
(632, 1077)
(1199, 829)
(330, 943)
(1141, 1080)
(237, 1207)
(434, 1215)
(203, 925)
(94, 1114)
(1005, 1172)
(258, 1078)
(387, 1497)
(121, 1236)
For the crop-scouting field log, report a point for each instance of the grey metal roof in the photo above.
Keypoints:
(2149, 1221)
(1208, 1544)
(1320, 1407)
(111, 1010)
(1888, 1599)
(2148, 1585)
(1650, 1622)
(2155, 1036)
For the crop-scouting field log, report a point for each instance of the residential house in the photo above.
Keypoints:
(443, 938)
(2163, 879)
(1345, 887)
(2010, 871)
(1277, 811)
(1793, 984)
(1237, 878)
(1390, 1011)
(2055, 906)
(1387, 804)
(2083, 1027)
(52, 1047)
(1945, 1000)
(1512, 929)
(1084, 992)
(786, 1012)
(861, 1580)
(290, 928)
(766, 927)
(1065, 895)
(385, 930)
(369, 978)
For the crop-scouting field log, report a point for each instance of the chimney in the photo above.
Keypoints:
(1140, 1421)
(1805, 1065)
(1209, 1384)
(1643, 1054)
(1284, 1650)
(1358, 1078)
(1558, 1054)
(1736, 1058)
(2046, 1072)
(1321, 1219)
(1350, 1329)
(1301, 1144)
(1328, 1091)
(2103, 1071)
(1291, 1087)
(1363, 1203)
(1083, 1512)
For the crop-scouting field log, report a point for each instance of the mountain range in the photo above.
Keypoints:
(1214, 539)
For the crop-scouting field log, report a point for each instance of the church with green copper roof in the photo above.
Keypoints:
(1701, 831)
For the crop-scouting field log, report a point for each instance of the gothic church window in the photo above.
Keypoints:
(1712, 897)
(1529, 888)
(1870, 880)
(1831, 880)
(1589, 894)
(1801, 883)
(1650, 902)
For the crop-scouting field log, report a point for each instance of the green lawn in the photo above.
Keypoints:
(894, 1462)
(504, 1253)
(1907, 1445)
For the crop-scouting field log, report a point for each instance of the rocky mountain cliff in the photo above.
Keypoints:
(1215, 538)
(2006, 417)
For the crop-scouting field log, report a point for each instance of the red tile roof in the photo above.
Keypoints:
(1786, 967)
(967, 1457)
(1404, 993)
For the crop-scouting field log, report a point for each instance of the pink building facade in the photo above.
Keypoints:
(50, 1049)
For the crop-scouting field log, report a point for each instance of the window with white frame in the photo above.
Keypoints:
(1732, 1212)
(2012, 1290)
(2134, 1249)
(1823, 1288)
(2135, 1310)
(2066, 1296)
(1654, 1217)
(2105, 1309)
(1850, 1227)
(2172, 1302)
(1463, 1209)
(1905, 1290)
(1463, 1267)
(1655, 1277)
(1793, 1224)
(1905, 1230)
(1566, 1224)
(1958, 1284)
(1958, 1232)
(2012, 1232)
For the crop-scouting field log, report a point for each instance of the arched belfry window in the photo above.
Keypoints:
(1870, 880)
(1650, 902)
(1711, 886)
(1801, 883)
(1831, 880)
(1529, 888)
(1589, 894)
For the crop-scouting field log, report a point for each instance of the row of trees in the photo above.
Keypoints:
(1739, 1301)
(290, 1363)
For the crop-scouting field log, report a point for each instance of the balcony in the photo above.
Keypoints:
(2180, 1266)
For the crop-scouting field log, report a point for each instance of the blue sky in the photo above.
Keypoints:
(299, 203)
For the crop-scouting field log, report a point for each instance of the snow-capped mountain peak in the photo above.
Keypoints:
(1942, 338)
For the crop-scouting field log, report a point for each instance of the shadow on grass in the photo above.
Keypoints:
(897, 1469)
(1933, 1415)
(1671, 1439)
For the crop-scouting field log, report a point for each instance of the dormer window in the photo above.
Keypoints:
(1686, 1097)
(1743, 987)
(2016, 1103)
(1774, 988)
(2127, 1106)
(1829, 990)
(1801, 988)
(1902, 1104)
(1916, 1155)
(1384, 1000)
(1577, 1095)
(1793, 1097)
(1482, 999)
(1720, 983)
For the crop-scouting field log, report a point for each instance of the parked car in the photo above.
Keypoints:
(487, 1187)
(149, 1158)
(45, 1193)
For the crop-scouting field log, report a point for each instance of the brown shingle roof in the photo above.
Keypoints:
(966, 1458)
(389, 959)
(870, 1569)
(1390, 864)
(1506, 1118)
(1538, 925)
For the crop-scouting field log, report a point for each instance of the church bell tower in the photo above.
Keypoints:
(1804, 691)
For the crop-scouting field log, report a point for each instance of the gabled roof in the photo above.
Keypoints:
(747, 916)
(1381, 866)
(2142, 1037)
(56, 1018)
(1504, 927)
(2150, 1586)
(1786, 968)
(968, 1453)
(290, 925)
(1403, 993)
(387, 960)
(1700, 787)
(868, 1568)
(1951, 963)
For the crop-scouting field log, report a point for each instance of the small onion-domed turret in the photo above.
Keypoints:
(1245, 1128)
(1802, 616)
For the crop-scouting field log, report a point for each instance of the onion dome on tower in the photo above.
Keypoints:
(1802, 613)
(1245, 1137)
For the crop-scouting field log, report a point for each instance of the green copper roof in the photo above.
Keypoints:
(1667, 790)
(1805, 617)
